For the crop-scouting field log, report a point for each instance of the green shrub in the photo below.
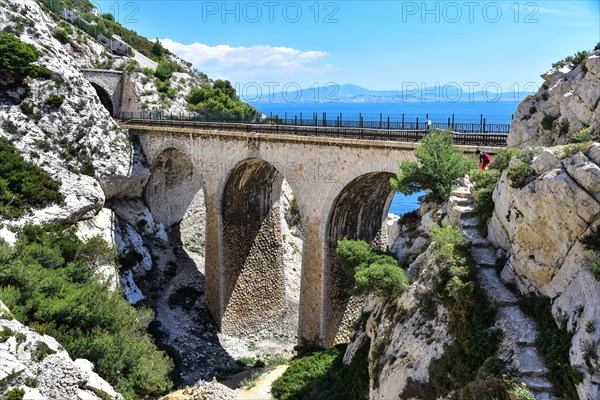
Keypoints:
(439, 164)
(17, 58)
(371, 272)
(323, 376)
(54, 100)
(14, 394)
(6, 333)
(165, 69)
(41, 351)
(61, 34)
(23, 186)
(501, 159)
(471, 318)
(576, 59)
(553, 342)
(547, 122)
(61, 295)
(220, 98)
(584, 135)
(518, 174)
(485, 182)
(563, 127)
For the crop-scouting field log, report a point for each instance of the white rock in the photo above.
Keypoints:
(545, 161)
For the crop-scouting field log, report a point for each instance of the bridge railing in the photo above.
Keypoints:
(314, 121)
(397, 135)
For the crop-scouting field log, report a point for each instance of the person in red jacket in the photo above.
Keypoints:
(484, 159)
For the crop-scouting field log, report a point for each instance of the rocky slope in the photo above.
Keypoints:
(540, 227)
(37, 364)
(566, 103)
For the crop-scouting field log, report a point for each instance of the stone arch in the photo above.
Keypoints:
(253, 290)
(104, 97)
(357, 213)
(172, 185)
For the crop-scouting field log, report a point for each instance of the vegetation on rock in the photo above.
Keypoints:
(470, 319)
(323, 376)
(439, 164)
(553, 342)
(23, 185)
(49, 281)
(16, 60)
(219, 98)
(372, 272)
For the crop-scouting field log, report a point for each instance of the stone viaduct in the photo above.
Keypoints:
(115, 90)
(342, 190)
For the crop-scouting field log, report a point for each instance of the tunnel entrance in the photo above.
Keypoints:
(357, 214)
(104, 98)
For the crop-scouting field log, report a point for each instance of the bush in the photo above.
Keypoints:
(17, 58)
(485, 182)
(584, 135)
(165, 69)
(502, 158)
(62, 296)
(371, 272)
(518, 175)
(23, 186)
(220, 98)
(438, 166)
(547, 122)
(15, 394)
(471, 318)
(61, 34)
(54, 100)
(323, 376)
(553, 342)
(576, 59)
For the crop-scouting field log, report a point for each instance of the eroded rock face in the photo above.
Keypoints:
(540, 226)
(568, 99)
(57, 375)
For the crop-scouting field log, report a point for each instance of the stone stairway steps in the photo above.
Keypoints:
(495, 288)
(518, 342)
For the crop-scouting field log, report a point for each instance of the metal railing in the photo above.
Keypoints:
(343, 131)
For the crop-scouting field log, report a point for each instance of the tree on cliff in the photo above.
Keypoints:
(439, 164)
(16, 58)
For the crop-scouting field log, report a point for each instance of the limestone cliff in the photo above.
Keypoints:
(541, 226)
(566, 103)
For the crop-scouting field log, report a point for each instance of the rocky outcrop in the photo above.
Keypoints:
(540, 227)
(567, 101)
(39, 365)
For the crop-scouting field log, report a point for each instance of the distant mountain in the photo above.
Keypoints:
(349, 93)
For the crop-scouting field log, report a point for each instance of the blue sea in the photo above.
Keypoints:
(493, 112)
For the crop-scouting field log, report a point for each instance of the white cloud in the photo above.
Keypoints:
(244, 61)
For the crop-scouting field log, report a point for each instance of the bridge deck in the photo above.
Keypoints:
(390, 135)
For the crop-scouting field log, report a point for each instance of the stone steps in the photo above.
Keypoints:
(518, 342)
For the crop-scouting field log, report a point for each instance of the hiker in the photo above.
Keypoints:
(484, 159)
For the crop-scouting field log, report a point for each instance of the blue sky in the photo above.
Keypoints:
(374, 44)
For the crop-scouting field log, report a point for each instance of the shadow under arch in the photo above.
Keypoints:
(104, 97)
(253, 287)
(172, 186)
(358, 213)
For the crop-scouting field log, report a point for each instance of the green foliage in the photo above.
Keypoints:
(165, 69)
(17, 58)
(502, 158)
(54, 100)
(219, 98)
(584, 135)
(323, 376)
(5, 334)
(518, 174)
(372, 272)
(470, 318)
(15, 394)
(61, 295)
(553, 342)
(23, 186)
(41, 351)
(563, 127)
(576, 59)
(485, 182)
(547, 122)
(62, 34)
(157, 49)
(438, 166)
